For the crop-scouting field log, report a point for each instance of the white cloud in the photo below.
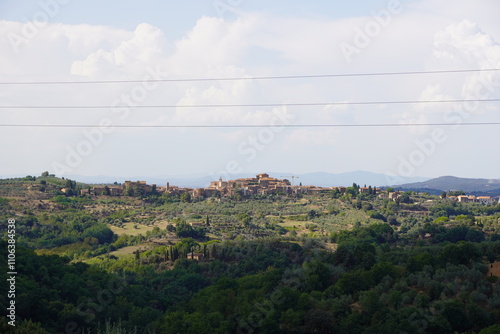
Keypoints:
(145, 48)
(316, 137)
(254, 44)
(212, 43)
(465, 45)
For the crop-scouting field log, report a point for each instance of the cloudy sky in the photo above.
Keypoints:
(110, 55)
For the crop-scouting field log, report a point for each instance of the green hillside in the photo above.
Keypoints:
(319, 263)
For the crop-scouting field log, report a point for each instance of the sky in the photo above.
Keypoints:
(59, 56)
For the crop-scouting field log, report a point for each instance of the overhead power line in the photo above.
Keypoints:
(249, 125)
(306, 104)
(307, 76)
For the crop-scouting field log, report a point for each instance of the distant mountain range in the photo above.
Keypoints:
(489, 187)
(321, 179)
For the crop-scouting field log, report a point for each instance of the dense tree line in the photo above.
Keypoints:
(69, 233)
(369, 285)
(363, 265)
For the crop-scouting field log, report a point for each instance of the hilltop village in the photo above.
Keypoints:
(48, 186)
(261, 184)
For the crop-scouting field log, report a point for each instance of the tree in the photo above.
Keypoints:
(404, 198)
(187, 244)
(213, 251)
(238, 194)
(494, 329)
(245, 218)
(318, 275)
(375, 215)
(185, 197)
(184, 230)
(353, 191)
(456, 193)
(137, 255)
(70, 184)
(465, 219)
(205, 251)
(106, 191)
(312, 214)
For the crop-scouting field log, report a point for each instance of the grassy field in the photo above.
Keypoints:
(296, 223)
(128, 228)
(131, 249)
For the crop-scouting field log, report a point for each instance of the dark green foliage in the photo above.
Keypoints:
(448, 209)
(424, 278)
(4, 203)
(70, 234)
(185, 197)
(453, 234)
(374, 233)
(184, 230)
(270, 286)
(375, 215)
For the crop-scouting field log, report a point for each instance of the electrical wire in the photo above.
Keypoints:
(306, 104)
(284, 77)
(249, 125)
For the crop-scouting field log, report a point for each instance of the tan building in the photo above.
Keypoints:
(394, 195)
(466, 199)
(261, 184)
(342, 190)
(368, 190)
(200, 192)
(140, 186)
(493, 269)
(174, 190)
(474, 199)
(115, 191)
(195, 256)
(485, 200)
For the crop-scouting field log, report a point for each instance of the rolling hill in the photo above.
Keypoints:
(449, 183)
